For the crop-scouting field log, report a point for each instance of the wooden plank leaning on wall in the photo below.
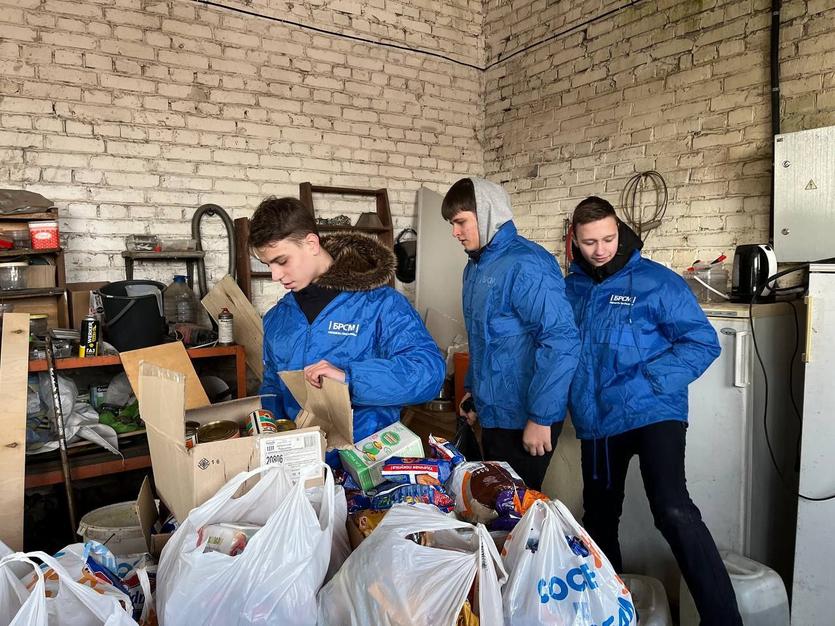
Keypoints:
(13, 375)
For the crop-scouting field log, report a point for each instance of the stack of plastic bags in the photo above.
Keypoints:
(420, 565)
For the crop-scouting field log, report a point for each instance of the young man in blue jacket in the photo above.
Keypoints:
(521, 332)
(644, 340)
(340, 319)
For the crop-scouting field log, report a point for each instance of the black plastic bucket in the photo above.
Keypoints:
(133, 321)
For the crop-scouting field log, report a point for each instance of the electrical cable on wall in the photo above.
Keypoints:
(632, 202)
(325, 31)
(759, 292)
(388, 44)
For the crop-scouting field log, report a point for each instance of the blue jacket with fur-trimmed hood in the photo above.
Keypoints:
(523, 341)
(369, 330)
(644, 340)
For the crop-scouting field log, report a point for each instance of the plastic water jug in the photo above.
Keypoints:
(650, 600)
(760, 594)
(180, 302)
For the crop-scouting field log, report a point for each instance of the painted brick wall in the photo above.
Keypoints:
(679, 87)
(129, 114)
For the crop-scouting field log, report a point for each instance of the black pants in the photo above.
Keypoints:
(660, 450)
(503, 444)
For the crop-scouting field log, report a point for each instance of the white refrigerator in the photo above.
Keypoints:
(813, 591)
(730, 474)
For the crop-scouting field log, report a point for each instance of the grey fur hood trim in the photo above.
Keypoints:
(360, 262)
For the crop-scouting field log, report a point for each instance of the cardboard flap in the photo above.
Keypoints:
(146, 511)
(235, 410)
(172, 356)
(329, 408)
(248, 328)
(296, 384)
(162, 401)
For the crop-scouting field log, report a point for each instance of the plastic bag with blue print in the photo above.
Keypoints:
(558, 575)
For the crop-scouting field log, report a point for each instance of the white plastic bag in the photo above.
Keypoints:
(148, 616)
(558, 575)
(74, 560)
(13, 592)
(391, 580)
(276, 578)
(74, 605)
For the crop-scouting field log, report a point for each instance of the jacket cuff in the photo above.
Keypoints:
(546, 421)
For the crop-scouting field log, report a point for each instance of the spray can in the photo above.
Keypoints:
(89, 337)
(225, 336)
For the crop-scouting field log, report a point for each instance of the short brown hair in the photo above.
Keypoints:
(460, 197)
(592, 209)
(280, 218)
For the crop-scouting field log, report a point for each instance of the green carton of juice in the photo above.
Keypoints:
(366, 458)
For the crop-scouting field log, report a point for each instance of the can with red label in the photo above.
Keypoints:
(260, 421)
(191, 434)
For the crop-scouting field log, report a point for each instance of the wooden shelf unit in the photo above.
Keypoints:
(101, 463)
(385, 233)
(53, 300)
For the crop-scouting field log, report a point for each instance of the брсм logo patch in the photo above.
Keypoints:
(347, 329)
(622, 300)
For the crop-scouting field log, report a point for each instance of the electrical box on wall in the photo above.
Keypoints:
(804, 195)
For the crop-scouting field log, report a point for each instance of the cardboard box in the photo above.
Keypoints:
(186, 478)
(355, 537)
(148, 514)
(424, 422)
(365, 459)
(40, 276)
(78, 296)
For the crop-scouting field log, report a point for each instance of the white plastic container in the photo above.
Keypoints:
(650, 600)
(708, 282)
(116, 526)
(760, 594)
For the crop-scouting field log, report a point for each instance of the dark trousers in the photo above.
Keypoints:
(503, 444)
(660, 450)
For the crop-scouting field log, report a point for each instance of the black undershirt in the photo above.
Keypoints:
(313, 298)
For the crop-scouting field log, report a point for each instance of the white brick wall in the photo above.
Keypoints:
(680, 87)
(129, 114)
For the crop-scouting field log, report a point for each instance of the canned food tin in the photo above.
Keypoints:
(191, 434)
(284, 425)
(218, 431)
(260, 421)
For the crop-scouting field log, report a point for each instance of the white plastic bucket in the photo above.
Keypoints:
(116, 526)
(760, 594)
(650, 600)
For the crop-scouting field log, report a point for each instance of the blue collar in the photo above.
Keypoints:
(634, 258)
(503, 237)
